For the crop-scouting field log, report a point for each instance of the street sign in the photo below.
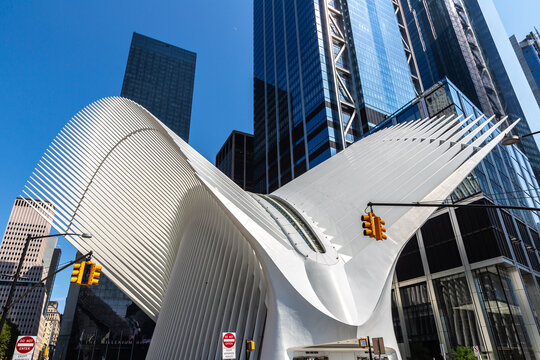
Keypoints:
(228, 341)
(378, 346)
(476, 350)
(24, 348)
(363, 343)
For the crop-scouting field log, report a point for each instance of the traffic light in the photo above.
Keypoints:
(368, 224)
(379, 229)
(95, 273)
(77, 274)
(250, 345)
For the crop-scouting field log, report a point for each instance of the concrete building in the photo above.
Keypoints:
(51, 331)
(235, 159)
(28, 217)
(291, 270)
(160, 77)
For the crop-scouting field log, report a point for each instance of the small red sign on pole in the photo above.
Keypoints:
(229, 345)
(24, 348)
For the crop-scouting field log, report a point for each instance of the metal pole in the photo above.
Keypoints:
(120, 345)
(417, 204)
(5, 308)
(369, 348)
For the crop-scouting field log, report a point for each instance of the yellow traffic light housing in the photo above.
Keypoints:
(368, 224)
(379, 229)
(95, 273)
(77, 274)
(250, 345)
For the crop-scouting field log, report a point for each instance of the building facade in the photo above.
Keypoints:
(292, 270)
(102, 322)
(470, 277)
(160, 77)
(51, 331)
(324, 73)
(235, 159)
(24, 220)
(528, 53)
(465, 41)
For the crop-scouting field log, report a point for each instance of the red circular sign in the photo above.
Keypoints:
(229, 340)
(25, 344)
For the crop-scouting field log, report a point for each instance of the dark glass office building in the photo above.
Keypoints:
(101, 322)
(160, 77)
(528, 53)
(324, 73)
(235, 159)
(465, 41)
(470, 277)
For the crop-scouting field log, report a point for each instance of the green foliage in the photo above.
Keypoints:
(463, 353)
(8, 338)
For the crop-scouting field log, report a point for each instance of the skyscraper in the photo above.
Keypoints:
(528, 53)
(103, 320)
(235, 159)
(323, 75)
(465, 41)
(23, 221)
(465, 266)
(160, 77)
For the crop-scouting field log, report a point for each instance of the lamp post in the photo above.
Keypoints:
(512, 139)
(6, 306)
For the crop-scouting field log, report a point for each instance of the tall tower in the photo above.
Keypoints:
(528, 53)
(465, 41)
(24, 221)
(324, 73)
(235, 159)
(160, 77)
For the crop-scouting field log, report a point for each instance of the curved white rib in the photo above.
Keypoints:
(187, 244)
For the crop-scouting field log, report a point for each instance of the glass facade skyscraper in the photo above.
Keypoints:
(160, 77)
(464, 40)
(324, 73)
(235, 159)
(471, 276)
(528, 53)
(101, 322)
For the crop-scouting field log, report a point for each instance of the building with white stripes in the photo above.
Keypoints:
(291, 270)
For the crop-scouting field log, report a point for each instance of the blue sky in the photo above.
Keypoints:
(58, 56)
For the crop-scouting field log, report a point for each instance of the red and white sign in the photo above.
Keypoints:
(476, 350)
(228, 341)
(24, 348)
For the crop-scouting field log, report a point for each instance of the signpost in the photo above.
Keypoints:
(378, 346)
(476, 350)
(228, 341)
(24, 348)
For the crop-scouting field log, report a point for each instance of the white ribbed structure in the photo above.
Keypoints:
(202, 256)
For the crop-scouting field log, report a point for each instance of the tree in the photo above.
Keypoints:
(8, 339)
(463, 353)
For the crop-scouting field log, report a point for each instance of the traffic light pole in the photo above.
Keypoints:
(418, 204)
(369, 348)
(12, 289)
